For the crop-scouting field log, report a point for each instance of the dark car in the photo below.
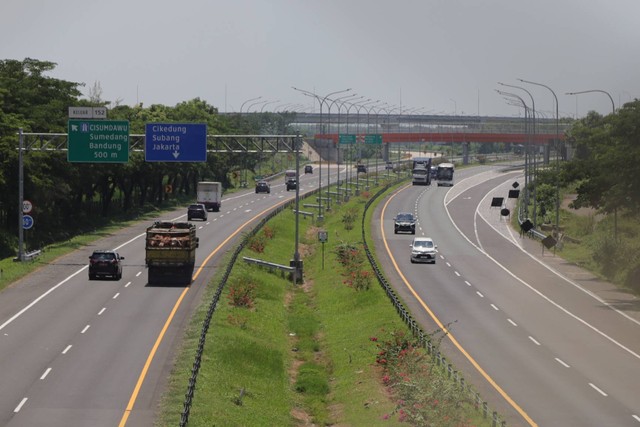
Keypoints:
(105, 263)
(263, 187)
(196, 211)
(308, 169)
(404, 221)
(362, 168)
(292, 184)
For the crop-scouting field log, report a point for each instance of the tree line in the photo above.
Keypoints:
(72, 197)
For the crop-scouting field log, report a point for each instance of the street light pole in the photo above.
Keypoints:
(613, 110)
(321, 101)
(557, 154)
(248, 100)
(527, 154)
(613, 106)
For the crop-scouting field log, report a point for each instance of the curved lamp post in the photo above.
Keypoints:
(248, 100)
(613, 110)
(321, 101)
(267, 103)
(557, 155)
(613, 106)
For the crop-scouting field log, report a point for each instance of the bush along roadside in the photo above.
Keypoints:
(283, 354)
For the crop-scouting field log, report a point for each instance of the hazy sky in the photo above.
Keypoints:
(437, 56)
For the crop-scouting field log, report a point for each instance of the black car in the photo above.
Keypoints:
(308, 169)
(404, 221)
(292, 184)
(263, 187)
(105, 263)
(196, 211)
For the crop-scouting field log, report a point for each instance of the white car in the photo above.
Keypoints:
(423, 250)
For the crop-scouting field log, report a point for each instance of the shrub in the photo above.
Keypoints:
(349, 217)
(242, 292)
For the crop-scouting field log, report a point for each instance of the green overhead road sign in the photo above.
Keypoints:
(98, 141)
(374, 139)
(347, 138)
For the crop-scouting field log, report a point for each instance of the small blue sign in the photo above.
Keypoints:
(175, 142)
(27, 221)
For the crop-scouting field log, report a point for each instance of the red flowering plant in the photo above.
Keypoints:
(424, 395)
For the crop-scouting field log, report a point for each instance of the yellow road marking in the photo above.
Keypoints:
(143, 374)
(444, 328)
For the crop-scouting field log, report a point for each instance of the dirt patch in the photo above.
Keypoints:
(569, 198)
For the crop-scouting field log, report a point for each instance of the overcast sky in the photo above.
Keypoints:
(436, 56)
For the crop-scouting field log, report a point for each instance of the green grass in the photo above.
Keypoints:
(303, 353)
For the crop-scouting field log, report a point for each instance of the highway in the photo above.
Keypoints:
(541, 347)
(75, 352)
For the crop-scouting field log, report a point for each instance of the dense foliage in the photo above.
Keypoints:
(71, 197)
(605, 174)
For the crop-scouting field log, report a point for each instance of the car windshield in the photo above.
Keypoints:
(103, 256)
(423, 244)
(404, 217)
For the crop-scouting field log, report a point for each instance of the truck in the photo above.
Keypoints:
(421, 172)
(170, 252)
(209, 194)
(290, 180)
(445, 174)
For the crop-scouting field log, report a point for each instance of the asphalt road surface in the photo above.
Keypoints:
(544, 342)
(75, 352)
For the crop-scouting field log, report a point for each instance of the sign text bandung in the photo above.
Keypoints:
(98, 141)
(175, 142)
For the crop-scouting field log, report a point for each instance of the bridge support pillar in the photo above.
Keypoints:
(465, 153)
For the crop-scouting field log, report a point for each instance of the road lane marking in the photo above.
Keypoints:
(534, 340)
(593, 386)
(67, 349)
(467, 282)
(45, 373)
(116, 295)
(138, 273)
(637, 418)
(145, 368)
(127, 285)
(562, 363)
(443, 327)
(512, 322)
(102, 311)
(457, 274)
(479, 294)
(494, 307)
(545, 297)
(85, 329)
(22, 402)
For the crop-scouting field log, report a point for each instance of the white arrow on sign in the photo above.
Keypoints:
(176, 154)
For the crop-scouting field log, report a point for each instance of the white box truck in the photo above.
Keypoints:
(209, 194)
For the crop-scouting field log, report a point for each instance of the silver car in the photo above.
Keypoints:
(423, 250)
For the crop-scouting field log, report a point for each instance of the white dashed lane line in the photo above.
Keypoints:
(116, 295)
(22, 402)
(534, 340)
(86, 328)
(45, 373)
(593, 386)
(67, 349)
(562, 363)
(102, 311)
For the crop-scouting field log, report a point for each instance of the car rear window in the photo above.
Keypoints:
(104, 256)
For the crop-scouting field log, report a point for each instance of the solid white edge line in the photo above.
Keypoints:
(543, 296)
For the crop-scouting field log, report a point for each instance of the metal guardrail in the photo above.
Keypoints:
(188, 399)
(418, 333)
(269, 265)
